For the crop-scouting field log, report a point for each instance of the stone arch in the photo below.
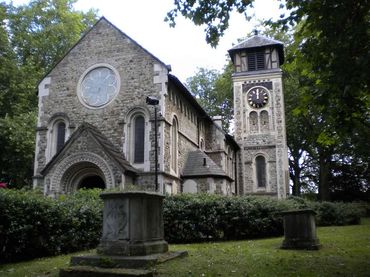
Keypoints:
(174, 144)
(190, 186)
(129, 135)
(261, 171)
(57, 116)
(253, 121)
(75, 167)
(76, 174)
(264, 121)
(55, 140)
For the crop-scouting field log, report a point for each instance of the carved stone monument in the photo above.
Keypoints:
(300, 230)
(132, 224)
(133, 237)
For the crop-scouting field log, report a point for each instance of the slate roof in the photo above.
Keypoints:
(258, 41)
(194, 166)
(115, 154)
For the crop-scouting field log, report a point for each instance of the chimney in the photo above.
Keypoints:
(217, 120)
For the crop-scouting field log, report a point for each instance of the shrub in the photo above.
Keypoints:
(330, 213)
(32, 225)
(194, 218)
(190, 218)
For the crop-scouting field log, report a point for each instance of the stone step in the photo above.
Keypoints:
(91, 271)
(126, 261)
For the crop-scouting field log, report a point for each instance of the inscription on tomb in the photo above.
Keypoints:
(115, 224)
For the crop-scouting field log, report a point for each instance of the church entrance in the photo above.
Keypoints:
(91, 182)
(83, 175)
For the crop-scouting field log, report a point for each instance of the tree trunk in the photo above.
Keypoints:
(295, 176)
(324, 171)
(297, 184)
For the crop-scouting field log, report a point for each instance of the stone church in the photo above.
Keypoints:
(96, 129)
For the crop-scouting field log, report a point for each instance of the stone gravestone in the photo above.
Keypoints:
(133, 235)
(300, 230)
(132, 224)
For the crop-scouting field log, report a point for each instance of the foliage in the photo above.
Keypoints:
(333, 213)
(32, 225)
(193, 218)
(44, 30)
(214, 92)
(17, 147)
(214, 14)
(33, 38)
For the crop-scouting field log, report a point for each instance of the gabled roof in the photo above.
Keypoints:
(259, 41)
(109, 149)
(87, 32)
(199, 164)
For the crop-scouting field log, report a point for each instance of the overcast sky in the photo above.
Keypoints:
(184, 46)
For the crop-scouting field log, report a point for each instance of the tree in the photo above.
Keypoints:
(214, 92)
(17, 142)
(214, 14)
(33, 38)
(44, 30)
(7, 65)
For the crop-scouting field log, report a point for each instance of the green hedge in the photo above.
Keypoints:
(190, 218)
(194, 218)
(32, 225)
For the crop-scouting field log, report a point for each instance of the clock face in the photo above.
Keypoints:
(99, 86)
(257, 97)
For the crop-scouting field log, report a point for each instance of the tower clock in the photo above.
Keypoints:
(259, 117)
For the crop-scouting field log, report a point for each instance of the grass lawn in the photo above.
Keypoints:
(345, 252)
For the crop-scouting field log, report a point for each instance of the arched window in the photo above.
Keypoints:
(253, 121)
(201, 144)
(58, 132)
(264, 119)
(174, 144)
(139, 139)
(261, 171)
(60, 135)
(190, 186)
(136, 143)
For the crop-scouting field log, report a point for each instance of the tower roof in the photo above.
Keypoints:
(258, 41)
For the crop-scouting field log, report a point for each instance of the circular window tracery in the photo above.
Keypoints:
(98, 86)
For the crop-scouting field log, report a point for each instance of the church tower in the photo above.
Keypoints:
(259, 117)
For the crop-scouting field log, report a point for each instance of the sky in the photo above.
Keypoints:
(183, 47)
